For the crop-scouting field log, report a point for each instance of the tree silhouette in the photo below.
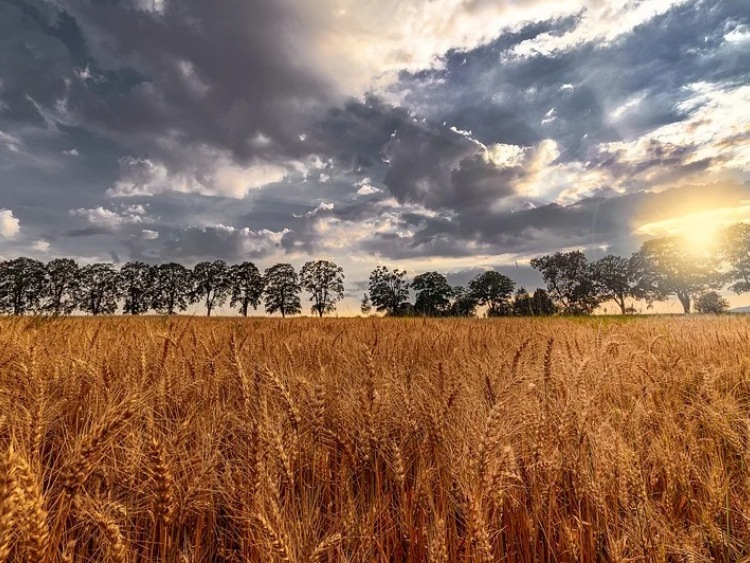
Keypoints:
(324, 281)
(569, 281)
(617, 279)
(172, 287)
(246, 286)
(734, 249)
(463, 305)
(711, 302)
(61, 287)
(433, 294)
(493, 290)
(21, 285)
(282, 290)
(539, 304)
(100, 289)
(137, 285)
(210, 284)
(389, 290)
(666, 266)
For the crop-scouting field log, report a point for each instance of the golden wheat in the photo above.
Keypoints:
(409, 440)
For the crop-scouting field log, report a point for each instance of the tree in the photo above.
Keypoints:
(100, 289)
(210, 284)
(365, 305)
(539, 304)
(569, 281)
(282, 290)
(617, 280)
(172, 287)
(433, 294)
(734, 248)
(493, 290)
(246, 286)
(711, 302)
(61, 287)
(324, 281)
(463, 304)
(137, 281)
(389, 290)
(667, 266)
(21, 285)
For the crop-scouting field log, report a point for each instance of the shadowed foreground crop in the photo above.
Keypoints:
(183, 440)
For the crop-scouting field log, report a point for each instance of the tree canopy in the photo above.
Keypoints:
(282, 290)
(324, 281)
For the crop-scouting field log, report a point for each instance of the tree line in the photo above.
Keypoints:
(663, 267)
(61, 287)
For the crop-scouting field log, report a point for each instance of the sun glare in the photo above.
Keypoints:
(698, 229)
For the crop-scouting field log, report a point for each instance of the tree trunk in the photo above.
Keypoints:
(685, 301)
(621, 303)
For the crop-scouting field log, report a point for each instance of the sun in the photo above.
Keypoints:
(700, 238)
(698, 232)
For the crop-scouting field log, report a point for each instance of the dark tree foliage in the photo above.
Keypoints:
(711, 302)
(246, 286)
(61, 287)
(618, 279)
(539, 304)
(172, 288)
(211, 284)
(137, 285)
(734, 249)
(100, 289)
(324, 281)
(667, 266)
(493, 290)
(389, 290)
(21, 285)
(282, 290)
(433, 294)
(463, 304)
(570, 281)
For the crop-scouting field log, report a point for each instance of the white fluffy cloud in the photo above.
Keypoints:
(209, 172)
(10, 226)
(41, 246)
(127, 215)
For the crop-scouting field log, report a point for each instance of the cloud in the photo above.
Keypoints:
(209, 173)
(126, 215)
(10, 226)
(430, 131)
(41, 246)
(365, 188)
(221, 241)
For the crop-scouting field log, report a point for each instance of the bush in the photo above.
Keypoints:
(711, 303)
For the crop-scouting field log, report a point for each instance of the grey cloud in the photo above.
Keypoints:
(442, 169)
(506, 99)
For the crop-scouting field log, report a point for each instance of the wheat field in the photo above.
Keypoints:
(187, 440)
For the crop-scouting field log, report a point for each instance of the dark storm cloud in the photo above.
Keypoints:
(220, 74)
(188, 84)
(442, 169)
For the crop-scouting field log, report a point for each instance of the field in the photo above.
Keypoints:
(187, 440)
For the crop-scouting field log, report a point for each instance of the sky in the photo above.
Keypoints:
(449, 135)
